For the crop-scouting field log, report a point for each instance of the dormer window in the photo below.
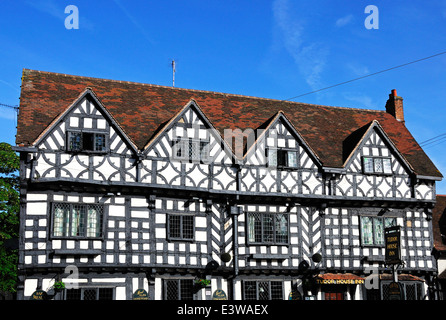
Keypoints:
(191, 150)
(79, 141)
(377, 165)
(282, 158)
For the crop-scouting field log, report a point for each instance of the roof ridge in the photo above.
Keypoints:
(204, 91)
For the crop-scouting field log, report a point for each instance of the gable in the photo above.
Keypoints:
(278, 136)
(85, 119)
(189, 125)
(375, 168)
(189, 144)
(376, 154)
(281, 161)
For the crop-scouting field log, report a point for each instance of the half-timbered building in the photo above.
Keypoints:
(137, 190)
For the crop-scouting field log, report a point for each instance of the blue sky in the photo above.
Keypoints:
(273, 49)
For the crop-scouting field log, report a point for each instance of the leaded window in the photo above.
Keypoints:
(179, 289)
(411, 290)
(282, 158)
(268, 228)
(89, 294)
(263, 290)
(372, 229)
(180, 227)
(377, 165)
(86, 141)
(77, 220)
(191, 150)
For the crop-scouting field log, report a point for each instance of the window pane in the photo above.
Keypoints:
(179, 149)
(292, 159)
(250, 290)
(194, 152)
(387, 166)
(90, 294)
(188, 227)
(186, 289)
(272, 157)
(268, 227)
(379, 231)
(378, 165)
(171, 289)
(366, 230)
(77, 220)
(281, 228)
(99, 142)
(105, 294)
(254, 228)
(60, 214)
(75, 141)
(263, 290)
(276, 290)
(368, 165)
(204, 150)
(94, 221)
(174, 226)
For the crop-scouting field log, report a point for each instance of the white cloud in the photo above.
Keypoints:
(358, 69)
(309, 56)
(344, 20)
(363, 101)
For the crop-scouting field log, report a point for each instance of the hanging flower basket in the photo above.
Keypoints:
(203, 283)
(58, 286)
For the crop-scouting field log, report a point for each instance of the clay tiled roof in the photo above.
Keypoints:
(141, 109)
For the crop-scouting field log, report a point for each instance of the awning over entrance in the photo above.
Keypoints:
(339, 278)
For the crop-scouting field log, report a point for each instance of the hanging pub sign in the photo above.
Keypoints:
(392, 237)
(395, 291)
(39, 295)
(140, 294)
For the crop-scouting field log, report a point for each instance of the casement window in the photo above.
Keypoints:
(282, 158)
(86, 141)
(89, 294)
(191, 150)
(377, 165)
(411, 290)
(268, 228)
(180, 227)
(179, 289)
(263, 290)
(372, 229)
(77, 220)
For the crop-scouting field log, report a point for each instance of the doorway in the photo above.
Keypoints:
(334, 292)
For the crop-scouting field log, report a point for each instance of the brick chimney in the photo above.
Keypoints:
(394, 106)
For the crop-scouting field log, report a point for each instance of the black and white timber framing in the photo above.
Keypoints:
(230, 199)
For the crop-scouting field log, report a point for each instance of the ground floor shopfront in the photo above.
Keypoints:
(144, 286)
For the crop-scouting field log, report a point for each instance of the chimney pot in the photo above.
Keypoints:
(394, 92)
